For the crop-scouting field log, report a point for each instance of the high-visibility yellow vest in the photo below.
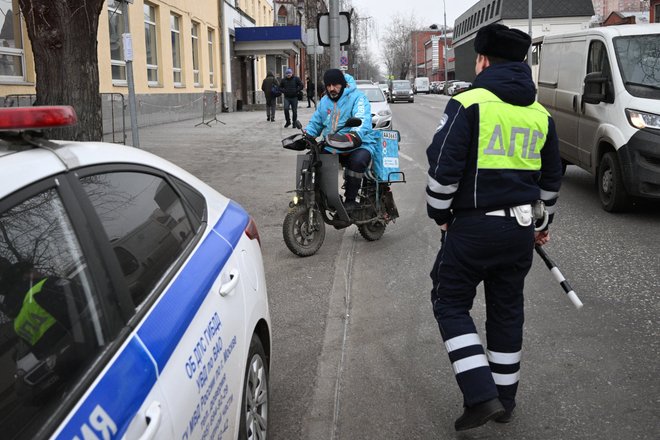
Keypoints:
(33, 321)
(510, 137)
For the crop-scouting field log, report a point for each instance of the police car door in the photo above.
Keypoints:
(202, 325)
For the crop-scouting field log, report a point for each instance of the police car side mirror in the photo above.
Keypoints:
(353, 122)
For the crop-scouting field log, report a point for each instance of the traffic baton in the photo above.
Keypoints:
(559, 277)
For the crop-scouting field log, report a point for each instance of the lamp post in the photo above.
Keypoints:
(444, 34)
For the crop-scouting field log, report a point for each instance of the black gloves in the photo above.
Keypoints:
(343, 142)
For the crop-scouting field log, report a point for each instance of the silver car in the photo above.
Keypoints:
(381, 114)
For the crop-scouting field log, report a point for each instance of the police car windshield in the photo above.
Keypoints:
(639, 60)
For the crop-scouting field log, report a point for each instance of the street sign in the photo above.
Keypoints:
(343, 60)
(343, 67)
(323, 26)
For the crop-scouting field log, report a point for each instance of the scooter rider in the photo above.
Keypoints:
(355, 145)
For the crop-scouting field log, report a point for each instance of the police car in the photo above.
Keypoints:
(132, 295)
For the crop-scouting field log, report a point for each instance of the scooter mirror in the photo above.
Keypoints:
(298, 125)
(353, 122)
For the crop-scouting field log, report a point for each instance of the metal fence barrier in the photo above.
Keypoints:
(113, 113)
(210, 108)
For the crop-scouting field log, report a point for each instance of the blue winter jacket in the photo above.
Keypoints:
(330, 117)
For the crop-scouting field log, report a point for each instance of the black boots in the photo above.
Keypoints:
(479, 414)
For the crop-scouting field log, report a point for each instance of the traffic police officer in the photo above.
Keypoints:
(494, 154)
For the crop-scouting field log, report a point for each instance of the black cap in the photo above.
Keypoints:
(334, 76)
(500, 41)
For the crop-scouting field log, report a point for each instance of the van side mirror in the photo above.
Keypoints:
(597, 89)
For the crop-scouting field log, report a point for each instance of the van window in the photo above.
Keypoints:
(639, 62)
(597, 61)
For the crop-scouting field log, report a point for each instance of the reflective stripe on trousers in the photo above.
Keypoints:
(497, 251)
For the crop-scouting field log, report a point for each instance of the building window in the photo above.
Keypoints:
(194, 32)
(211, 63)
(116, 25)
(497, 8)
(492, 9)
(657, 13)
(175, 31)
(151, 42)
(281, 16)
(11, 44)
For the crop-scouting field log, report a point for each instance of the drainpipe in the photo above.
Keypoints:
(221, 44)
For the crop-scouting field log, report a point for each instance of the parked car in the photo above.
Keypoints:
(605, 102)
(381, 114)
(133, 300)
(447, 85)
(385, 89)
(435, 85)
(458, 87)
(401, 91)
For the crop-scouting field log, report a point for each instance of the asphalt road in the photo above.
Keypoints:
(357, 352)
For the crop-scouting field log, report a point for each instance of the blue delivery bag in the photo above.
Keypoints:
(386, 162)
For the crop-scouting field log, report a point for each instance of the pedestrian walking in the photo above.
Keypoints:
(310, 93)
(271, 88)
(494, 154)
(291, 86)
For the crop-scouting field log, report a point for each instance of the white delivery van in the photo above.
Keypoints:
(602, 87)
(422, 85)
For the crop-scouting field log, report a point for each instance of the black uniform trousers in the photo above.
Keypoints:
(499, 252)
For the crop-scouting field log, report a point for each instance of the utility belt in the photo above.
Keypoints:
(525, 214)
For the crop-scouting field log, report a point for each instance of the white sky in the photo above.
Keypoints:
(427, 12)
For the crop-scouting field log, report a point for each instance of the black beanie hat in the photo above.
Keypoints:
(334, 76)
(500, 41)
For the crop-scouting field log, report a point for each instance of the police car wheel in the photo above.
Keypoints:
(372, 231)
(301, 236)
(254, 408)
(611, 189)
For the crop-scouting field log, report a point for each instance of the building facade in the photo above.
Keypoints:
(180, 49)
(428, 53)
(549, 16)
(654, 10)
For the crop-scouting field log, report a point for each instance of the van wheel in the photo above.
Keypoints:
(612, 193)
(254, 407)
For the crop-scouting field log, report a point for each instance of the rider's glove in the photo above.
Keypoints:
(343, 142)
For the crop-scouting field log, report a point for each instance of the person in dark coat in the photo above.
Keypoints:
(310, 93)
(267, 87)
(290, 86)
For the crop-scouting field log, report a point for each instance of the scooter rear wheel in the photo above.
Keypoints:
(372, 231)
(300, 237)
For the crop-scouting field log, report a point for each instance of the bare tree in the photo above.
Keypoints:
(397, 46)
(63, 36)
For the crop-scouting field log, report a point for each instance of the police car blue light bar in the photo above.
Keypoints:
(33, 118)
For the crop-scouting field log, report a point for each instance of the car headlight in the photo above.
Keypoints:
(384, 113)
(643, 120)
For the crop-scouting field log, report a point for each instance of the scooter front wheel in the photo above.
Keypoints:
(303, 233)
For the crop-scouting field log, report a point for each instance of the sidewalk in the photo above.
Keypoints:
(245, 128)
